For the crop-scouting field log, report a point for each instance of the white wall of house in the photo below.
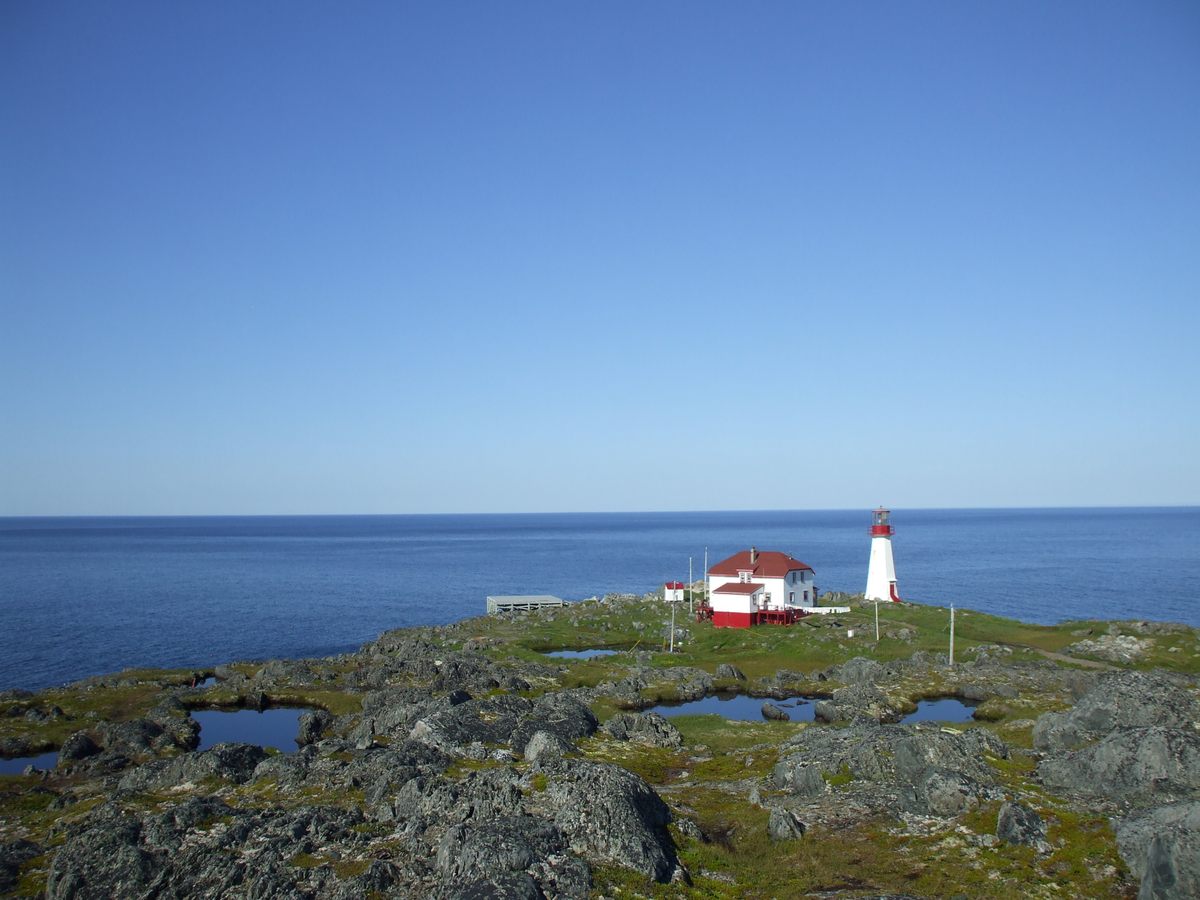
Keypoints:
(780, 589)
(736, 603)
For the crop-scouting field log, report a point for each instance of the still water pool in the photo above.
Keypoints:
(270, 728)
(943, 709)
(739, 707)
(581, 654)
(743, 708)
(17, 766)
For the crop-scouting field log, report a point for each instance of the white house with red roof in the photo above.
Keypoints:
(754, 586)
(673, 591)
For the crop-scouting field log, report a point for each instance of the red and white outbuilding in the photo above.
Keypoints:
(673, 591)
(752, 587)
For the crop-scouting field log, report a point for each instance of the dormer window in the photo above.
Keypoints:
(744, 577)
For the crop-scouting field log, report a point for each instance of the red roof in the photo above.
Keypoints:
(674, 585)
(769, 564)
(738, 587)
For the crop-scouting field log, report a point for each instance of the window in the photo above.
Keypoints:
(792, 597)
(806, 596)
(743, 577)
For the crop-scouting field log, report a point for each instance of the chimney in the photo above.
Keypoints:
(753, 555)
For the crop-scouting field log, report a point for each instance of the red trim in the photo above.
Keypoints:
(674, 585)
(892, 590)
(882, 530)
(733, 620)
(768, 564)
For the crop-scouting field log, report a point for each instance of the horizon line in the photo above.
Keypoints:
(594, 512)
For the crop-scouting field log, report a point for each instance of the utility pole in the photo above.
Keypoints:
(672, 627)
(877, 620)
(952, 635)
(691, 588)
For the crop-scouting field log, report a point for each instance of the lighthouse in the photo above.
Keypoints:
(881, 572)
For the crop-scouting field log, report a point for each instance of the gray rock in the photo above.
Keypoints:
(859, 670)
(782, 825)
(13, 854)
(507, 886)
(806, 781)
(942, 792)
(489, 721)
(651, 729)
(858, 703)
(234, 762)
(728, 670)
(560, 714)
(511, 844)
(1162, 849)
(312, 725)
(103, 861)
(1139, 765)
(1121, 699)
(78, 746)
(610, 813)
(544, 746)
(774, 713)
(689, 682)
(930, 771)
(1018, 824)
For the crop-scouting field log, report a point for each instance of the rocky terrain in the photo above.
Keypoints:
(462, 762)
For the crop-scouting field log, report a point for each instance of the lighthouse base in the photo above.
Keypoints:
(881, 572)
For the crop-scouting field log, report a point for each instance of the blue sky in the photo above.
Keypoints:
(291, 257)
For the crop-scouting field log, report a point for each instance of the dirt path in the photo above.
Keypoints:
(1064, 658)
(1049, 654)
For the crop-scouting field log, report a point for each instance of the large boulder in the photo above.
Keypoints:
(475, 855)
(545, 746)
(612, 814)
(783, 825)
(78, 746)
(425, 801)
(728, 670)
(312, 725)
(929, 770)
(175, 853)
(102, 861)
(651, 729)
(1121, 699)
(1016, 823)
(1162, 849)
(490, 720)
(942, 792)
(233, 762)
(858, 703)
(1140, 765)
(774, 713)
(858, 670)
(559, 714)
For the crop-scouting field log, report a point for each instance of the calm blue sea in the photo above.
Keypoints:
(86, 596)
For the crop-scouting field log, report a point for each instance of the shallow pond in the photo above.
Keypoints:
(17, 766)
(580, 654)
(270, 728)
(800, 709)
(739, 706)
(945, 709)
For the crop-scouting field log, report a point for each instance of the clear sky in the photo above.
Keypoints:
(291, 257)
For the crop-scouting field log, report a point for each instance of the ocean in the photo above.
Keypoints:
(86, 596)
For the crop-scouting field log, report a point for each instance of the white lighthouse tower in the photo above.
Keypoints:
(881, 572)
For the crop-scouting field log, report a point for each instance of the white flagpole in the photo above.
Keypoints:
(951, 634)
